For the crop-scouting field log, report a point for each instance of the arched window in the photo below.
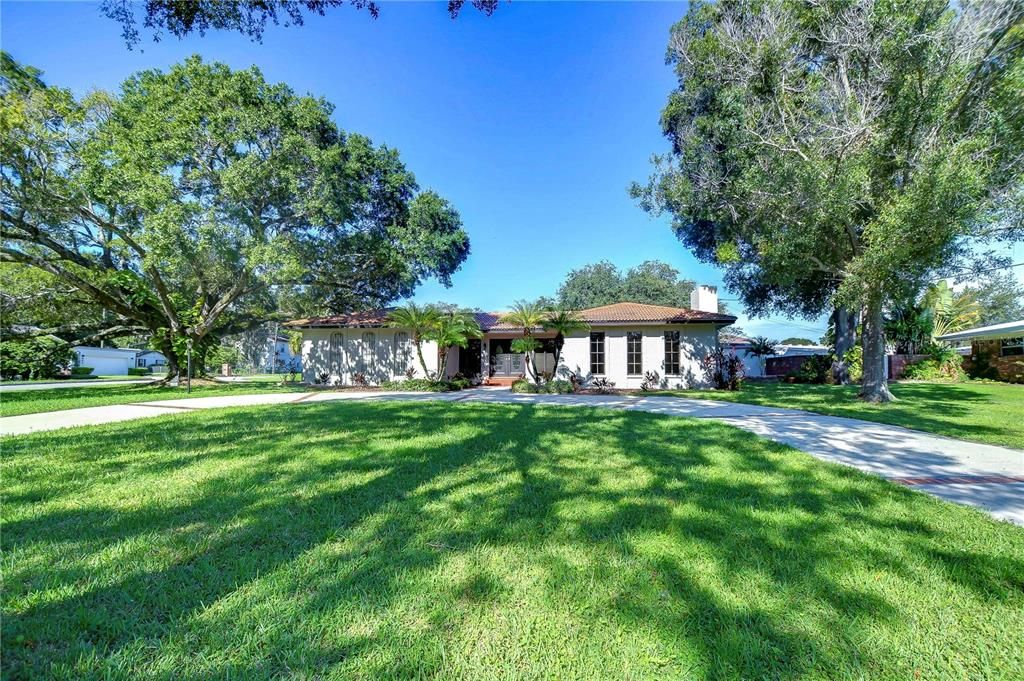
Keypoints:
(369, 351)
(336, 356)
(401, 353)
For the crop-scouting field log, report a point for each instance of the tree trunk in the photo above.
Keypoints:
(419, 353)
(874, 386)
(442, 364)
(844, 321)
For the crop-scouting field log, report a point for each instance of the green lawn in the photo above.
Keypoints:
(34, 401)
(982, 412)
(396, 540)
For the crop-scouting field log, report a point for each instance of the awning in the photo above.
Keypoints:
(1007, 330)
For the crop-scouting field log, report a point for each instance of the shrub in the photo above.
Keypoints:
(460, 382)
(360, 380)
(854, 359)
(40, 357)
(138, 371)
(816, 369)
(79, 372)
(523, 386)
(322, 377)
(944, 365)
(558, 387)
(602, 385)
(723, 371)
(650, 382)
(422, 385)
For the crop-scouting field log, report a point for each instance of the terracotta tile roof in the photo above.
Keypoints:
(618, 313)
(353, 319)
(641, 312)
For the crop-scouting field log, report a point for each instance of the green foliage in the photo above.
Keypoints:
(524, 386)
(652, 282)
(223, 354)
(525, 345)
(854, 359)
(191, 201)
(555, 387)
(425, 385)
(724, 371)
(182, 18)
(833, 166)
(816, 369)
(451, 329)
(138, 371)
(31, 358)
(797, 340)
(79, 372)
(944, 364)
(1000, 298)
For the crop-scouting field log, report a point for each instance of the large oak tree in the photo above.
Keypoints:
(190, 202)
(838, 152)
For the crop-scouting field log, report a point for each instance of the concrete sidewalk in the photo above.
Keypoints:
(984, 476)
(85, 383)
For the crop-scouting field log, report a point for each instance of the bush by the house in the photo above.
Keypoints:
(815, 369)
(81, 372)
(557, 387)
(651, 381)
(602, 385)
(30, 358)
(138, 371)
(523, 386)
(423, 385)
(944, 364)
(723, 371)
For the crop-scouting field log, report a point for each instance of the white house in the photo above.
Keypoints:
(263, 349)
(624, 342)
(117, 361)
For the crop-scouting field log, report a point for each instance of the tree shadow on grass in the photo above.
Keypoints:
(375, 540)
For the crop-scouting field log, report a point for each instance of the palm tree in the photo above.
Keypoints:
(530, 316)
(761, 347)
(452, 329)
(563, 322)
(421, 321)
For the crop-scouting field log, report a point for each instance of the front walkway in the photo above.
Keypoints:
(985, 476)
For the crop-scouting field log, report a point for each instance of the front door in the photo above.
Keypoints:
(508, 364)
(504, 362)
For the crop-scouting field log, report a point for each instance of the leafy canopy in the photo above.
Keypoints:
(837, 152)
(601, 283)
(190, 202)
(181, 18)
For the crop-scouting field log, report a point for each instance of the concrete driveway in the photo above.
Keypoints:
(984, 476)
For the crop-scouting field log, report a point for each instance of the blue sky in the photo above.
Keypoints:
(532, 122)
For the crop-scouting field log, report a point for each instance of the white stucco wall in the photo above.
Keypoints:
(341, 353)
(695, 340)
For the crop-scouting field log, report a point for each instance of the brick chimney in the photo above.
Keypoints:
(704, 298)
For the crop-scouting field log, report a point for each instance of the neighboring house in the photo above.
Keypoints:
(786, 358)
(153, 360)
(740, 346)
(625, 341)
(997, 351)
(264, 350)
(117, 361)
